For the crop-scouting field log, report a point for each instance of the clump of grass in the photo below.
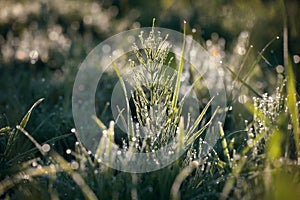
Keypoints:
(271, 151)
(156, 117)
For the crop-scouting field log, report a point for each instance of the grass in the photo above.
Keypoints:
(259, 161)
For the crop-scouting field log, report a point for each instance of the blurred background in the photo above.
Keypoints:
(43, 42)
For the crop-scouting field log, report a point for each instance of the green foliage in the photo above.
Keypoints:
(257, 156)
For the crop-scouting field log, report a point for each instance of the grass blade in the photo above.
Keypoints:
(199, 118)
(99, 123)
(129, 121)
(177, 86)
(292, 103)
(27, 116)
(191, 139)
(224, 142)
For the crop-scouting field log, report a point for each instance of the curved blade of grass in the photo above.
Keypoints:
(244, 61)
(265, 59)
(4, 130)
(191, 139)
(175, 189)
(291, 82)
(27, 116)
(199, 118)
(259, 57)
(99, 123)
(177, 86)
(22, 124)
(129, 121)
(243, 82)
(292, 103)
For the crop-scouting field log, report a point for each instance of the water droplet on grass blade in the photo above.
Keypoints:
(74, 165)
(279, 69)
(68, 151)
(46, 148)
(34, 164)
(296, 59)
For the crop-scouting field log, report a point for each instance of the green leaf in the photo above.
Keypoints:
(191, 139)
(177, 86)
(99, 123)
(243, 82)
(224, 142)
(5, 130)
(274, 145)
(200, 117)
(292, 102)
(27, 116)
(129, 120)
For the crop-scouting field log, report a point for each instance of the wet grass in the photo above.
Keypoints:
(256, 157)
(251, 163)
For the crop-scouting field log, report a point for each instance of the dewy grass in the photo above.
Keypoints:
(262, 165)
(267, 143)
(155, 117)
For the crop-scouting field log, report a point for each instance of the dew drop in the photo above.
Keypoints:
(26, 177)
(74, 165)
(34, 164)
(68, 151)
(194, 164)
(296, 59)
(279, 69)
(46, 148)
